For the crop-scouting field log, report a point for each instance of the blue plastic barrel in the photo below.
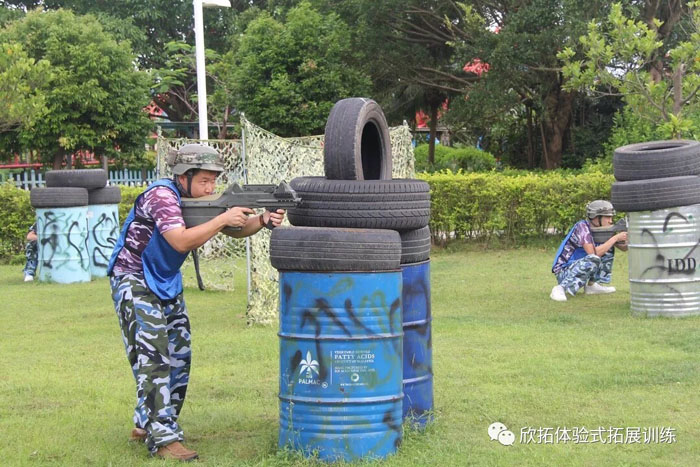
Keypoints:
(103, 231)
(417, 343)
(62, 244)
(340, 364)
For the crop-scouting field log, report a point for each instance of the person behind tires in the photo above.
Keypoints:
(146, 285)
(580, 262)
(32, 254)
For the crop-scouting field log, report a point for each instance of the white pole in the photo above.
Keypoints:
(201, 73)
(199, 56)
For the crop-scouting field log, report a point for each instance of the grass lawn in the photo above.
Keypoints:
(503, 351)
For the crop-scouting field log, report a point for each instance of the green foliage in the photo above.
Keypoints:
(629, 128)
(17, 216)
(286, 75)
(468, 159)
(94, 96)
(514, 207)
(658, 79)
(21, 78)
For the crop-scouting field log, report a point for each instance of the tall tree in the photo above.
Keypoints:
(150, 25)
(654, 63)
(408, 51)
(520, 41)
(21, 80)
(94, 96)
(286, 75)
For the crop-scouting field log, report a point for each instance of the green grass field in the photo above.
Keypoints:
(503, 351)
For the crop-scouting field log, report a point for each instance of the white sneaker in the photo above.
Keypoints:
(596, 288)
(28, 278)
(558, 294)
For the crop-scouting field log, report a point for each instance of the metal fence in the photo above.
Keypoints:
(29, 179)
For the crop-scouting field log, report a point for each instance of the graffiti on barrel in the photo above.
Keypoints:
(340, 363)
(62, 244)
(663, 261)
(417, 343)
(103, 226)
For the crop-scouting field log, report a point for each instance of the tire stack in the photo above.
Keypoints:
(77, 224)
(359, 249)
(659, 187)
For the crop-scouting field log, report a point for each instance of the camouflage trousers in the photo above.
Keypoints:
(590, 268)
(31, 252)
(156, 336)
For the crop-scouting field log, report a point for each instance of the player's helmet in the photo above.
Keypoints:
(599, 207)
(195, 156)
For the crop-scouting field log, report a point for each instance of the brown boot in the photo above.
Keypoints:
(138, 434)
(176, 451)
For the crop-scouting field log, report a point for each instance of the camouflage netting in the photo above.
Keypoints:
(266, 158)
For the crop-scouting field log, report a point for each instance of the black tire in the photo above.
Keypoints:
(79, 178)
(415, 245)
(106, 195)
(327, 249)
(658, 193)
(401, 204)
(58, 197)
(356, 144)
(657, 159)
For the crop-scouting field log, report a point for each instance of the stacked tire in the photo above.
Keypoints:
(358, 235)
(77, 224)
(659, 187)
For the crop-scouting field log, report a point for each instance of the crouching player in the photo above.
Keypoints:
(579, 262)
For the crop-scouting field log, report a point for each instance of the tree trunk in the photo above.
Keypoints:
(433, 132)
(58, 158)
(223, 131)
(530, 144)
(556, 119)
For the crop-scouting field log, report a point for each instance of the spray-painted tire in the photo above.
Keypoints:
(58, 197)
(415, 245)
(79, 178)
(658, 193)
(106, 195)
(356, 143)
(401, 204)
(657, 159)
(328, 249)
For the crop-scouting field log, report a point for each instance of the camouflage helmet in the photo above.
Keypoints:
(195, 156)
(599, 207)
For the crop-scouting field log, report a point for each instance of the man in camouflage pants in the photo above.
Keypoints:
(31, 253)
(146, 287)
(582, 264)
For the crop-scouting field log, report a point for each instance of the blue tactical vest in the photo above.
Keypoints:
(578, 252)
(161, 262)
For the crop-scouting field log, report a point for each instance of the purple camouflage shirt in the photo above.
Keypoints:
(580, 236)
(160, 206)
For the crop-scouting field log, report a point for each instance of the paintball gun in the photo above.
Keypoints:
(603, 234)
(196, 211)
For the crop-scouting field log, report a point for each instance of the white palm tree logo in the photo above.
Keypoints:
(308, 365)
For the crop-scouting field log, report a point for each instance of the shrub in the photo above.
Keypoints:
(129, 195)
(17, 216)
(469, 159)
(470, 205)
